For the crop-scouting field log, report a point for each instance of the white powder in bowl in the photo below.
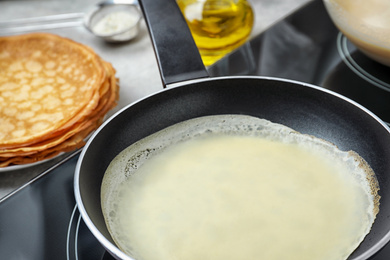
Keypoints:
(114, 23)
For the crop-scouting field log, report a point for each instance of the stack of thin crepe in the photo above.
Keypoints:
(53, 93)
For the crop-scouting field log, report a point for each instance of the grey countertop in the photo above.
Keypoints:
(134, 61)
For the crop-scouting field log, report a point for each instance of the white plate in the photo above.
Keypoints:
(27, 165)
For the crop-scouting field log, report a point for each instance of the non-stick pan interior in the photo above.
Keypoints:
(306, 109)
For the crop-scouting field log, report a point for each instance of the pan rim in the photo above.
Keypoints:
(112, 248)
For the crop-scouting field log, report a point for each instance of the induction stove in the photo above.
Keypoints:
(41, 220)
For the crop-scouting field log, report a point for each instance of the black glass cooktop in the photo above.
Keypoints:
(41, 220)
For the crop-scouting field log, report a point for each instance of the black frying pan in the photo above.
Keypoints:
(303, 107)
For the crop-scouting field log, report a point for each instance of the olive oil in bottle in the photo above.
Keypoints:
(218, 26)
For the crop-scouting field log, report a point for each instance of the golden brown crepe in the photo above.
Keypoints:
(53, 93)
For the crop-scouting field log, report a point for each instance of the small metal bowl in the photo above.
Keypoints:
(114, 20)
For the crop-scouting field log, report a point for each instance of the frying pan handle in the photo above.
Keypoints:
(177, 55)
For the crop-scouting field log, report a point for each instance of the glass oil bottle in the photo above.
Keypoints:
(218, 26)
